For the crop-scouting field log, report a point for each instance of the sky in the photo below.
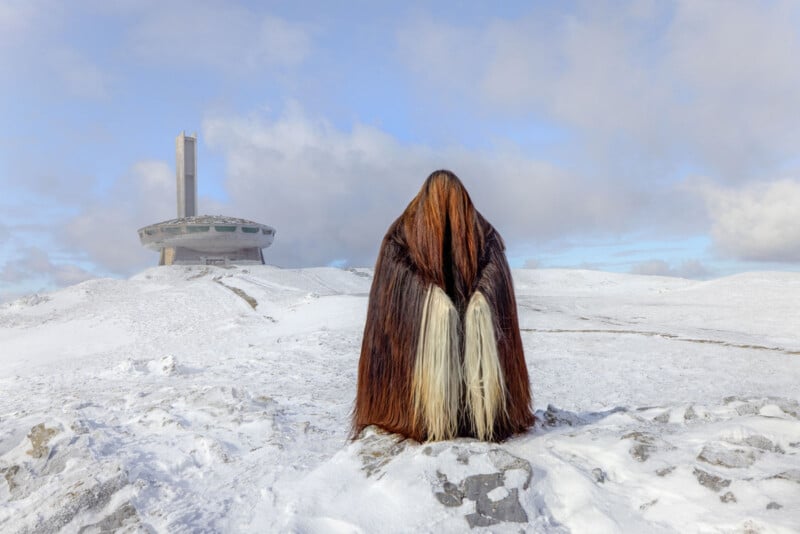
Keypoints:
(651, 137)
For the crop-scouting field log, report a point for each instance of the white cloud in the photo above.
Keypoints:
(24, 25)
(49, 247)
(686, 269)
(711, 83)
(105, 229)
(11, 16)
(34, 51)
(531, 263)
(331, 194)
(217, 34)
(16, 17)
(34, 265)
(756, 222)
(78, 75)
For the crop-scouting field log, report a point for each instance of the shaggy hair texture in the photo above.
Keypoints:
(442, 355)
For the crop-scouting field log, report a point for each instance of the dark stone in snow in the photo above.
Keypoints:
(599, 475)
(665, 471)
(716, 454)
(451, 496)
(791, 475)
(712, 482)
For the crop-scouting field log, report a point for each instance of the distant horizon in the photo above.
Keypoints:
(10, 297)
(639, 137)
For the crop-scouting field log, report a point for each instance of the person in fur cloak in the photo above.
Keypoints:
(442, 355)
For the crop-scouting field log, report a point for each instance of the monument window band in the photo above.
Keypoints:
(442, 355)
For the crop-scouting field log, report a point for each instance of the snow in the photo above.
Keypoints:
(209, 399)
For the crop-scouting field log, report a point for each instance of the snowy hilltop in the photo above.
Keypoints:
(209, 399)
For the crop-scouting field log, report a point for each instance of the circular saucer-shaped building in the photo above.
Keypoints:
(205, 239)
(208, 239)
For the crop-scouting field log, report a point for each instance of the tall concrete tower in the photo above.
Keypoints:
(186, 172)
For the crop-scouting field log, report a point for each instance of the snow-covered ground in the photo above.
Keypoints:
(210, 399)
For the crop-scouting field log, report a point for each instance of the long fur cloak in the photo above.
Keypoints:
(442, 355)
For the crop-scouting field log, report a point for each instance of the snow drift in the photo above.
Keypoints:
(208, 399)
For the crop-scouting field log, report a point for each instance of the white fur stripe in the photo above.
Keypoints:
(437, 370)
(486, 386)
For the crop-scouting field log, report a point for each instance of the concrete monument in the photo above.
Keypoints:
(193, 239)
